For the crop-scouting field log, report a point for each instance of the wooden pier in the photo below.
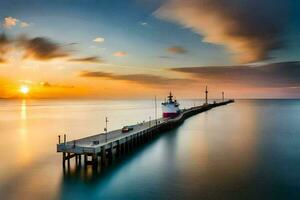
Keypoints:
(101, 149)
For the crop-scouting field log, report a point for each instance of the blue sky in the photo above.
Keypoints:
(120, 23)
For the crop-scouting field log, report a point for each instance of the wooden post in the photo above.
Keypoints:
(76, 160)
(131, 142)
(64, 159)
(68, 159)
(123, 148)
(94, 159)
(58, 139)
(110, 155)
(127, 144)
(134, 141)
(79, 160)
(65, 138)
(85, 159)
(118, 150)
(103, 156)
(139, 139)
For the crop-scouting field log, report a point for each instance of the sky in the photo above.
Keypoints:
(115, 49)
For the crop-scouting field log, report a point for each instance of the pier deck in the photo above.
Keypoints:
(85, 145)
(97, 146)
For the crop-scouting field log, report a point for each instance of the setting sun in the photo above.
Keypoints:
(24, 89)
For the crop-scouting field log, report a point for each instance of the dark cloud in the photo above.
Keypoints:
(249, 28)
(46, 84)
(177, 50)
(4, 40)
(146, 79)
(4, 46)
(91, 59)
(41, 48)
(285, 74)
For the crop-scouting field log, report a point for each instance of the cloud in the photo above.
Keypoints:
(99, 39)
(90, 59)
(9, 22)
(177, 50)
(46, 84)
(2, 61)
(4, 47)
(24, 24)
(41, 48)
(284, 74)
(248, 28)
(147, 79)
(144, 23)
(120, 53)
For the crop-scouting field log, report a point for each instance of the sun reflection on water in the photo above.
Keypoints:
(24, 152)
(23, 110)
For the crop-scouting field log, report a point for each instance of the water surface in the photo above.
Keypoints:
(246, 150)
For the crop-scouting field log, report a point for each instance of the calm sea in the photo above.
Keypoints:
(246, 150)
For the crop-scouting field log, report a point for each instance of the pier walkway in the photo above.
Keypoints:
(116, 143)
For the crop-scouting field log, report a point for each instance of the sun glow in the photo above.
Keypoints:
(24, 89)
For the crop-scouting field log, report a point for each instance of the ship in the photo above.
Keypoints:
(170, 107)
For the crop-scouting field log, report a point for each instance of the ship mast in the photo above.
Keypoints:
(170, 97)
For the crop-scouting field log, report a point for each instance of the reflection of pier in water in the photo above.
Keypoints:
(93, 173)
(102, 149)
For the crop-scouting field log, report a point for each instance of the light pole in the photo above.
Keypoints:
(206, 98)
(105, 129)
(155, 111)
(222, 96)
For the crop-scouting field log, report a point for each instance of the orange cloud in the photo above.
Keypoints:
(120, 53)
(250, 29)
(9, 22)
(177, 50)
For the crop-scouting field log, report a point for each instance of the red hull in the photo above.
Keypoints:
(170, 115)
